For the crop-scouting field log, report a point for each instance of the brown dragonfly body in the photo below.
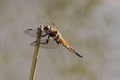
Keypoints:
(55, 34)
(52, 32)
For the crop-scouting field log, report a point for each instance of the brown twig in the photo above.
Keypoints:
(35, 56)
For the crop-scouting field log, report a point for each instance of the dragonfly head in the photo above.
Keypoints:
(41, 26)
(47, 29)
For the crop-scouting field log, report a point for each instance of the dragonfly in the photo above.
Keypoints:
(50, 38)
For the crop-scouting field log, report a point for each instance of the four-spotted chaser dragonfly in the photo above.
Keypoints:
(50, 38)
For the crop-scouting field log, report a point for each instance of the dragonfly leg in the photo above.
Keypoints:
(57, 39)
(57, 42)
(46, 42)
(44, 35)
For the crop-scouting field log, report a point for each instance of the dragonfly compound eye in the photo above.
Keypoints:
(40, 26)
(46, 28)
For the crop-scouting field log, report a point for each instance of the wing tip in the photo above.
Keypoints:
(26, 31)
(79, 55)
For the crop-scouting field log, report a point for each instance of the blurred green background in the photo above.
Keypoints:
(90, 26)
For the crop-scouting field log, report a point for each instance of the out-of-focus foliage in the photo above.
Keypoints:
(90, 26)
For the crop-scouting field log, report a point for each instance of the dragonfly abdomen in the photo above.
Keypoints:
(65, 44)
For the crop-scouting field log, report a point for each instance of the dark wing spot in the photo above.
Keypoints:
(29, 29)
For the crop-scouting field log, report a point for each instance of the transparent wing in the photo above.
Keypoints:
(31, 32)
(43, 44)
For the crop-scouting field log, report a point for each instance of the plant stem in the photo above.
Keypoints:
(35, 55)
